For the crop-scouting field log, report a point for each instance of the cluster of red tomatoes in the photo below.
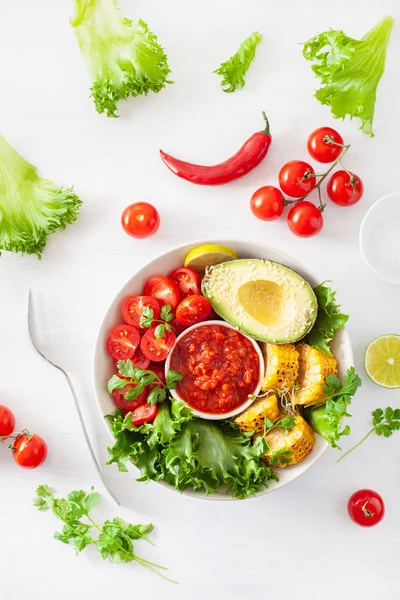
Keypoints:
(29, 450)
(297, 179)
(140, 339)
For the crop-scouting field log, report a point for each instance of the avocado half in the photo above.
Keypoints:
(263, 299)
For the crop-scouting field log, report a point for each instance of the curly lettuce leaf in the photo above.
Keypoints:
(350, 70)
(329, 319)
(234, 70)
(124, 59)
(186, 452)
(31, 208)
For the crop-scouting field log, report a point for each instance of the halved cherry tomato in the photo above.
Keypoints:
(144, 414)
(164, 289)
(139, 359)
(193, 309)
(132, 308)
(122, 342)
(157, 349)
(366, 508)
(325, 144)
(187, 280)
(297, 178)
(121, 402)
(159, 370)
(7, 421)
(29, 451)
(345, 188)
(140, 220)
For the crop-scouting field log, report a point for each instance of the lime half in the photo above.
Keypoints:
(210, 254)
(382, 361)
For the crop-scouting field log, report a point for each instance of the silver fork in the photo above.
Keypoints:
(71, 387)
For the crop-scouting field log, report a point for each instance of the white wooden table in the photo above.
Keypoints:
(298, 542)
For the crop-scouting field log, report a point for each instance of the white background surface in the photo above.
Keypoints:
(297, 542)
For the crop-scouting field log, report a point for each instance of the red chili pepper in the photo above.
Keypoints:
(249, 156)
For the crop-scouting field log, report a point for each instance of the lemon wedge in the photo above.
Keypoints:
(209, 254)
(382, 361)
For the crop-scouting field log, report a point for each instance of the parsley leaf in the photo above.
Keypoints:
(166, 313)
(157, 395)
(327, 419)
(172, 378)
(114, 540)
(161, 330)
(350, 70)
(329, 319)
(234, 70)
(384, 423)
(280, 457)
(134, 392)
(147, 316)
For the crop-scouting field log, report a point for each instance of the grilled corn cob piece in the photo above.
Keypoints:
(294, 445)
(281, 366)
(253, 418)
(314, 368)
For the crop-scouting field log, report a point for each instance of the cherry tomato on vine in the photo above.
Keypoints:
(267, 203)
(366, 508)
(128, 405)
(192, 310)
(132, 308)
(157, 349)
(7, 421)
(164, 289)
(297, 178)
(140, 220)
(122, 342)
(187, 280)
(304, 219)
(144, 414)
(29, 451)
(325, 144)
(345, 188)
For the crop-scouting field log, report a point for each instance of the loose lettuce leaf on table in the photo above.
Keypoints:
(350, 70)
(233, 71)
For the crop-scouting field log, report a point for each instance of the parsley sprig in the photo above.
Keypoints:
(147, 320)
(142, 378)
(282, 456)
(115, 538)
(384, 422)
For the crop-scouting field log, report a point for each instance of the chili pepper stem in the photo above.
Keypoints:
(266, 128)
(338, 161)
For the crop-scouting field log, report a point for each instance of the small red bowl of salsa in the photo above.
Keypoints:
(222, 369)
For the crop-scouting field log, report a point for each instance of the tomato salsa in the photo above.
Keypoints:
(220, 368)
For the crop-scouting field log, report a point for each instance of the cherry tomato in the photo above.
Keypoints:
(139, 359)
(325, 144)
(159, 370)
(123, 341)
(144, 414)
(267, 203)
(193, 309)
(187, 280)
(345, 188)
(297, 178)
(29, 451)
(157, 349)
(121, 402)
(366, 508)
(164, 289)
(7, 421)
(132, 308)
(140, 220)
(304, 219)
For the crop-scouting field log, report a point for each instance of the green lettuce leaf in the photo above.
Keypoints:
(329, 319)
(234, 70)
(186, 452)
(350, 70)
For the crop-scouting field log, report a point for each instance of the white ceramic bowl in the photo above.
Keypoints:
(380, 238)
(104, 367)
(238, 409)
